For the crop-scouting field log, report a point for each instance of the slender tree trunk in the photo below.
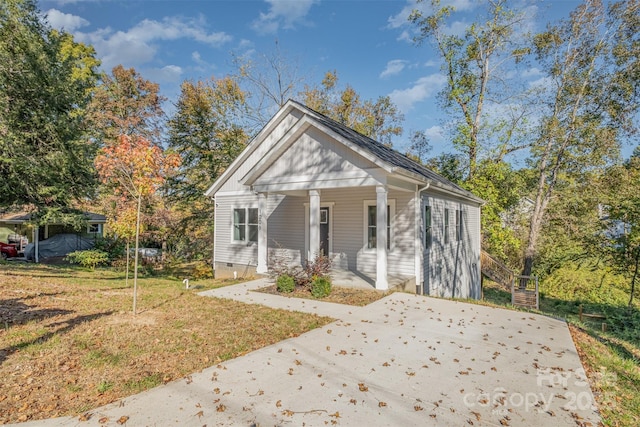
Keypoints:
(635, 275)
(536, 217)
(126, 276)
(135, 263)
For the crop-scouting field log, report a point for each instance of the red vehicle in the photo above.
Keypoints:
(8, 251)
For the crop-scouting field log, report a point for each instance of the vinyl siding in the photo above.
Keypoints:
(286, 230)
(452, 269)
(225, 250)
(315, 153)
(286, 227)
(349, 231)
(232, 183)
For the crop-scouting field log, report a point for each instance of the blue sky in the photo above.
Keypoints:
(367, 42)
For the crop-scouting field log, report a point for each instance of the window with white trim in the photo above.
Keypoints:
(245, 224)
(458, 225)
(93, 228)
(370, 221)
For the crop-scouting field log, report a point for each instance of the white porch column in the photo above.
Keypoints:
(418, 251)
(263, 245)
(314, 224)
(381, 237)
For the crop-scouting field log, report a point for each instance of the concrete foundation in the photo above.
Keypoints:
(226, 270)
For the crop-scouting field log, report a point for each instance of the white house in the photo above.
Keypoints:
(308, 185)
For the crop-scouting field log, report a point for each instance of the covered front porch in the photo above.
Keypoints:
(345, 224)
(321, 191)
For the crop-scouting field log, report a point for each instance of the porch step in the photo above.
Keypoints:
(354, 279)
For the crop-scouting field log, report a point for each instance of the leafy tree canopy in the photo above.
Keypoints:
(125, 103)
(209, 131)
(379, 119)
(46, 158)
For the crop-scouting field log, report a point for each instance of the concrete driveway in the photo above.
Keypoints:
(405, 360)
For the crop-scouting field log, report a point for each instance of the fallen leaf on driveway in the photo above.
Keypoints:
(85, 417)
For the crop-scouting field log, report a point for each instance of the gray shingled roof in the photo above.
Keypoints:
(383, 152)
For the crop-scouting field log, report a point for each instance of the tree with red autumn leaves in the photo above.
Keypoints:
(135, 168)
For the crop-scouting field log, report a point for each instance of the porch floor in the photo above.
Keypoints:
(351, 279)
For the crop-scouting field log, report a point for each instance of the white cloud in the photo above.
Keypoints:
(532, 72)
(405, 36)
(65, 21)
(173, 28)
(167, 74)
(245, 44)
(542, 83)
(435, 134)
(461, 5)
(422, 89)
(283, 14)
(402, 18)
(135, 46)
(394, 67)
(456, 28)
(63, 2)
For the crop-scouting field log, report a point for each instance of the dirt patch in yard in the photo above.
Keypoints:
(70, 343)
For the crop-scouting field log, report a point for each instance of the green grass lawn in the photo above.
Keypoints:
(69, 341)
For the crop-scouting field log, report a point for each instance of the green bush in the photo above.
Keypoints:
(283, 265)
(202, 270)
(113, 246)
(585, 284)
(90, 258)
(321, 287)
(285, 284)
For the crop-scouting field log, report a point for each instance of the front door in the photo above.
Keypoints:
(324, 231)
